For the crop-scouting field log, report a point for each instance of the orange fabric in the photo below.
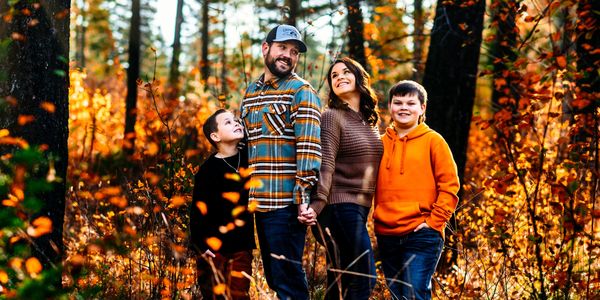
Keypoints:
(417, 182)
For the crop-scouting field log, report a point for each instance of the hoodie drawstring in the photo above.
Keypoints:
(404, 140)
(392, 155)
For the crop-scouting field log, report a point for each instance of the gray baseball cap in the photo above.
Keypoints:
(282, 33)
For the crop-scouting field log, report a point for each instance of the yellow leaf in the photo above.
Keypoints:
(233, 176)
(234, 197)
(219, 289)
(3, 277)
(152, 149)
(202, 207)
(4, 132)
(252, 206)
(253, 183)
(33, 266)
(237, 211)
(214, 243)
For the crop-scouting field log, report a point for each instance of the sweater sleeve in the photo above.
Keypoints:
(447, 184)
(330, 142)
(199, 223)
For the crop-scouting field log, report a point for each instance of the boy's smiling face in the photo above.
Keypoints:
(229, 129)
(406, 110)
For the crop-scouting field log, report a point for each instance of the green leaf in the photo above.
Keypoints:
(573, 186)
(60, 73)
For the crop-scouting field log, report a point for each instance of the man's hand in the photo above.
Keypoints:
(307, 215)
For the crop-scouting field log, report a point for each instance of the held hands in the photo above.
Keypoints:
(307, 215)
(421, 226)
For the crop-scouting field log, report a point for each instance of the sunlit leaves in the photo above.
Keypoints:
(33, 266)
(214, 243)
(40, 226)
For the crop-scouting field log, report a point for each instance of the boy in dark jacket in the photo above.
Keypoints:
(222, 229)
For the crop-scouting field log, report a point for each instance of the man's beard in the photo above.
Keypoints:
(270, 62)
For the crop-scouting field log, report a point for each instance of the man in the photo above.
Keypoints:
(281, 112)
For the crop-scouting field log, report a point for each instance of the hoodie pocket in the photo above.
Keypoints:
(391, 214)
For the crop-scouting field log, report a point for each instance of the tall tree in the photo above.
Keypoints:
(293, 8)
(356, 40)
(133, 74)
(419, 40)
(503, 53)
(174, 71)
(451, 72)
(204, 63)
(37, 69)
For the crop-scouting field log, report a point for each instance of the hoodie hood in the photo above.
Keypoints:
(400, 142)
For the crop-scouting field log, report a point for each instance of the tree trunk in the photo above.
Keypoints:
(38, 77)
(174, 72)
(356, 40)
(204, 65)
(419, 40)
(133, 73)
(224, 88)
(502, 53)
(451, 73)
(80, 37)
(294, 7)
(450, 80)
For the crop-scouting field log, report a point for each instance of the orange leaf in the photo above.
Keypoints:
(48, 106)
(214, 243)
(202, 207)
(219, 289)
(118, 201)
(245, 172)
(252, 206)
(561, 61)
(41, 226)
(33, 266)
(4, 132)
(24, 119)
(177, 201)
(233, 176)
(234, 197)
(237, 211)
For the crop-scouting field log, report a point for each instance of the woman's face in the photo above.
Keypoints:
(343, 81)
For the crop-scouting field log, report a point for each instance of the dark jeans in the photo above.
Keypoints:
(411, 258)
(281, 237)
(347, 224)
(229, 268)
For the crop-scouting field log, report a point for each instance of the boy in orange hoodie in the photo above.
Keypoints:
(416, 194)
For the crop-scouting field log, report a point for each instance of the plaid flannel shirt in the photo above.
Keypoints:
(282, 118)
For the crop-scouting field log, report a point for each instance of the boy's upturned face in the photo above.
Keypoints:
(406, 110)
(228, 129)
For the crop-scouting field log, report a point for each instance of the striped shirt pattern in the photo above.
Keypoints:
(282, 119)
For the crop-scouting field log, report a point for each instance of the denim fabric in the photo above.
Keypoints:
(280, 234)
(411, 258)
(347, 224)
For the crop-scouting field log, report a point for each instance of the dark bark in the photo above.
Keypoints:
(174, 71)
(224, 88)
(133, 74)
(503, 54)
(38, 73)
(451, 73)
(356, 40)
(293, 9)
(204, 64)
(419, 40)
(80, 40)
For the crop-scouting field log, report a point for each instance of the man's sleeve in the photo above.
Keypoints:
(306, 119)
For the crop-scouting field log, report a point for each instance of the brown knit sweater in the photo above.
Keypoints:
(351, 152)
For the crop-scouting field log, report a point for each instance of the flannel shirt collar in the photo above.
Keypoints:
(274, 82)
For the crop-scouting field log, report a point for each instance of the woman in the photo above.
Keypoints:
(351, 150)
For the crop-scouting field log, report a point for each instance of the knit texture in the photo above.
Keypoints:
(352, 151)
(417, 182)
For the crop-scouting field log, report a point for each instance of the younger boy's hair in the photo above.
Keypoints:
(408, 88)
(211, 125)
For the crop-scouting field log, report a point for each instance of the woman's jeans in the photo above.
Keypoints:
(281, 237)
(411, 259)
(348, 249)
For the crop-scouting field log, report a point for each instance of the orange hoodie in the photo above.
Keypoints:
(417, 182)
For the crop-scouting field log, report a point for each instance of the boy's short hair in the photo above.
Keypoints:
(408, 87)
(211, 125)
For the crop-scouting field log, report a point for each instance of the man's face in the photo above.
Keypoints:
(281, 57)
